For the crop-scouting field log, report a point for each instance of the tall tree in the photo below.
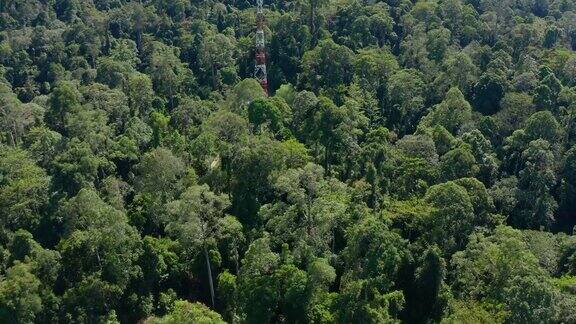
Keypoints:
(196, 219)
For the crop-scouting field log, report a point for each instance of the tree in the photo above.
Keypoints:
(373, 67)
(437, 43)
(20, 300)
(65, 100)
(243, 93)
(44, 263)
(160, 174)
(536, 179)
(308, 217)
(112, 72)
(482, 202)
(360, 26)
(488, 92)
(405, 95)
(500, 268)
(551, 36)
(161, 263)
(461, 71)
(16, 118)
(77, 166)
(217, 58)
(452, 113)
(43, 144)
(230, 131)
(542, 125)
(91, 300)
(568, 181)
(335, 128)
(253, 169)
(185, 312)
(196, 218)
(257, 291)
(140, 94)
(24, 190)
(290, 40)
(425, 298)
(458, 163)
(418, 146)
(531, 300)
(190, 114)
(99, 239)
(547, 92)
(90, 126)
(99, 254)
(228, 292)
(374, 259)
(505, 195)
(514, 145)
(232, 240)
(453, 219)
(321, 303)
(169, 75)
(314, 17)
(303, 108)
(516, 108)
(483, 152)
(412, 176)
(473, 312)
(327, 66)
(263, 112)
(112, 101)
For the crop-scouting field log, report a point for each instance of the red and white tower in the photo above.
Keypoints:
(260, 68)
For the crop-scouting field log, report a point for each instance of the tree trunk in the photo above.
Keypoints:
(209, 276)
(313, 21)
(333, 239)
(213, 74)
(327, 160)
(236, 261)
(12, 136)
(568, 126)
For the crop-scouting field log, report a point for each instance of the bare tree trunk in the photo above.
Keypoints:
(213, 74)
(12, 136)
(236, 262)
(568, 126)
(313, 21)
(327, 154)
(209, 276)
(333, 239)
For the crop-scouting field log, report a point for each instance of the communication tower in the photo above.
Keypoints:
(260, 68)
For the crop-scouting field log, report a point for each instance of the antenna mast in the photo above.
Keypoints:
(260, 68)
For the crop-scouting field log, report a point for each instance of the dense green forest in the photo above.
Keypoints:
(414, 161)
